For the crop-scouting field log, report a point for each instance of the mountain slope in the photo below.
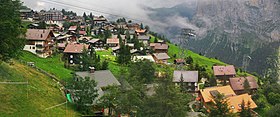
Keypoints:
(229, 30)
(32, 99)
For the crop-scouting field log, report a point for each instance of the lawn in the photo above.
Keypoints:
(53, 65)
(32, 99)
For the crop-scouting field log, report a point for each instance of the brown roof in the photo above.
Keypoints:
(225, 90)
(161, 56)
(140, 30)
(93, 40)
(75, 48)
(113, 40)
(224, 70)
(159, 46)
(82, 32)
(180, 60)
(72, 28)
(235, 102)
(238, 83)
(38, 34)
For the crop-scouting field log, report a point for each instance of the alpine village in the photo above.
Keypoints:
(57, 63)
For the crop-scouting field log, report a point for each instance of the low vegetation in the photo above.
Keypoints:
(33, 99)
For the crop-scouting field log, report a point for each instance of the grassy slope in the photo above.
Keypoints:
(53, 65)
(32, 99)
(201, 60)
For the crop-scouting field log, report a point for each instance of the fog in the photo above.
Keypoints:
(137, 10)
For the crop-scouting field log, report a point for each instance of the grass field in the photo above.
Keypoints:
(30, 100)
(54, 65)
(201, 60)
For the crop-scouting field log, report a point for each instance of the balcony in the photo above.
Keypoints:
(40, 51)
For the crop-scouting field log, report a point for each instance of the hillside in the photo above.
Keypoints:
(32, 99)
(229, 30)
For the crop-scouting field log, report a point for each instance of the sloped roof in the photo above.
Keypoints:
(38, 34)
(93, 40)
(188, 76)
(82, 32)
(103, 78)
(235, 102)
(159, 46)
(144, 37)
(224, 70)
(161, 56)
(113, 41)
(75, 48)
(238, 83)
(225, 90)
(140, 30)
(146, 57)
(72, 28)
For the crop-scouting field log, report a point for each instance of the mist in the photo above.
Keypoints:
(135, 10)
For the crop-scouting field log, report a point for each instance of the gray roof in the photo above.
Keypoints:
(188, 76)
(144, 37)
(103, 78)
(161, 56)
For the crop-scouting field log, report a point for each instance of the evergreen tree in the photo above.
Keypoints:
(220, 107)
(11, 40)
(274, 111)
(124, 56)
(42, 25)
(182, 84)
(85, 93)
(142, 70)
(85, 16)
(246, 86)
(212, 81)
(245, 111)
(167, 102)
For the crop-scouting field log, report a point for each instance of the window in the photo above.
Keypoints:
(71, 61)
(232, 106)
(33, 48)
(71, 56)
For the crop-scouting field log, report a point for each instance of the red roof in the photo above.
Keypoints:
(72, 28)
(238, 83)
(224, 70)
(113, 40)
(75, 48)
(38, 34)
(82, 32)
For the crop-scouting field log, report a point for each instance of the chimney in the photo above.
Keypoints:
(91, 69)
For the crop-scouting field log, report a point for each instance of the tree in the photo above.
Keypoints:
(85, 16)
(245, 111)
(89, 59)
(124, 56)
(212, 81)
(182, 84)
(143, 71)
(110, 99)
(189, 60)
(246, 86)
(167, 102)
(104, 65)
(273, 98)
(274, 111)
(11, 33)
(85, 93)
(42, 25)
(141, 26)
(220, 107)
(91, 16)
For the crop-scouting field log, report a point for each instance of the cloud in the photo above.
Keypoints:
(134, 9)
